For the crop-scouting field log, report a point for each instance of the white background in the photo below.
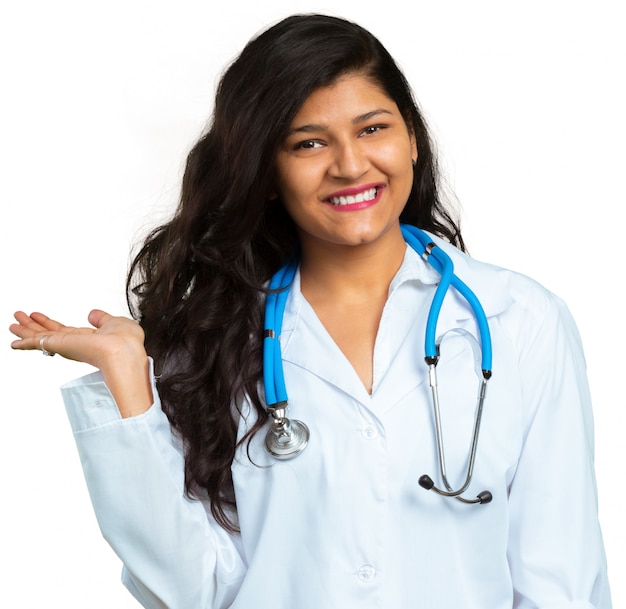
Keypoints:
(101, 102)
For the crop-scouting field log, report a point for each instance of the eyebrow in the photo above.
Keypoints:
(311, 128)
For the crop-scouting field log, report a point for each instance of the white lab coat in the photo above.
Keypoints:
(345, 524)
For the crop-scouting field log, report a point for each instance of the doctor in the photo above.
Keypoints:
(316, 154)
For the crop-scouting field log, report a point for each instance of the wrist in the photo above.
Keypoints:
(128, 380)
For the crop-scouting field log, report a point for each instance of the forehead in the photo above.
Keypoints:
(350, 95)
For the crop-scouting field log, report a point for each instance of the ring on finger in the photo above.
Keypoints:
(43, 349)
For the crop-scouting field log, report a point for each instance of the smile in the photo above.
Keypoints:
(355, 200)
(361, 197)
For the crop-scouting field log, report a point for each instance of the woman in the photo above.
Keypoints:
(316, 155)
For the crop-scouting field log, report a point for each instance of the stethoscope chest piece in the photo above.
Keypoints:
(286, 438)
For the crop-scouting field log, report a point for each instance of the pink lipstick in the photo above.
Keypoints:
(355, 199)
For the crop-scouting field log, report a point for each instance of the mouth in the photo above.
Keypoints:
(367, 195)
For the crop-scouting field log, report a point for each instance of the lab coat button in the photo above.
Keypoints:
(366, 573)
(369, 432)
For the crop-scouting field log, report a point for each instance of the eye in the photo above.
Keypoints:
(307, 145)
(371, 129)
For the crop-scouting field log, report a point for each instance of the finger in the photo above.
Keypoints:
(46, 322)
(44, 345)
(32, 328)
(73, 344)
(30, 333)
(32, 342)
(38, 342)
(24, 318)
(37, 322)
(25, 326)
(97, 317)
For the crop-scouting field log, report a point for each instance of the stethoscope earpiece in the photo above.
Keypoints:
(484, 497)
(427, 483)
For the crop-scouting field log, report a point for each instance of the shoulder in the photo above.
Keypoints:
(505, 292)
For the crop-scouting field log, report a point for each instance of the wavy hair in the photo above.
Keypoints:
(196, 284)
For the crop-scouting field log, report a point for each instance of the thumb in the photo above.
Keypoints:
(97, 317)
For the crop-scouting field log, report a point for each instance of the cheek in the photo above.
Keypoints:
(395, 158)
(293, 196)
(297, 184)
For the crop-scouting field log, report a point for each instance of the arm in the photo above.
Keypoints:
(555, 550)
(174, 554)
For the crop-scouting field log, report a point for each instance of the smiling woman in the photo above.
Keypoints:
(295, 207)
(344, 175)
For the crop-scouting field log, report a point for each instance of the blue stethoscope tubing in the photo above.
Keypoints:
(287, 438)
(273, 376)
(423, 244)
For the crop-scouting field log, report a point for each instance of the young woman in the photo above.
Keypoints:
(213, 489)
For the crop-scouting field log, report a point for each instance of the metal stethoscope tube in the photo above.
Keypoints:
(426, 481)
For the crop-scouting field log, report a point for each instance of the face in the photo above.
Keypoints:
(345, 169)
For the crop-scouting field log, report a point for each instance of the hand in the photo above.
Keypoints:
(115, 345)
(109, 338)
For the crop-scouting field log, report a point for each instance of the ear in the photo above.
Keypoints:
(414, 151)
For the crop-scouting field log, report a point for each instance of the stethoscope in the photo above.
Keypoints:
(286, 437)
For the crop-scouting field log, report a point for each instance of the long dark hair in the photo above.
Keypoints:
(196, 285)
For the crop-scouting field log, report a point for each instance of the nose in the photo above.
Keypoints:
(349, 161)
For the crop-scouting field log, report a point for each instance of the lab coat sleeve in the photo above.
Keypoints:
(175, 555)
(556, 552)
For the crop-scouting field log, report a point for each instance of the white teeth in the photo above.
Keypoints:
(366, 195)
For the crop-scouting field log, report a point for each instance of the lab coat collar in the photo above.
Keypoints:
(487, 281)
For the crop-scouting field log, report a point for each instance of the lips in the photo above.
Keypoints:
(366, 195)
(355, 198)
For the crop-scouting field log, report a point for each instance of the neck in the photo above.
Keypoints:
(351, 273)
